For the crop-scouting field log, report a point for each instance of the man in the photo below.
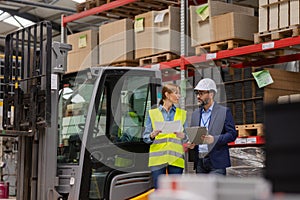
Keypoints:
(213, 155)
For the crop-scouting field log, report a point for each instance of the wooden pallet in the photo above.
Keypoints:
(157, 58)
(221, 45)
(291, 31)
(88, 5)
(124, 63)
(249, 130)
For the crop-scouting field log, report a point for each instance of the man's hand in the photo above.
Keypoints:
(208, 139)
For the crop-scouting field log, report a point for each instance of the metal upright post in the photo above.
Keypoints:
(183, 7)
(63, 34)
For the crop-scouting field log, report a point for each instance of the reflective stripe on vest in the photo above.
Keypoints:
(166, 148)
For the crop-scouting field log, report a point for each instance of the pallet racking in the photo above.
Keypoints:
(261, 54)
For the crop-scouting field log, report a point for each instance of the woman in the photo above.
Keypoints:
(166, 150)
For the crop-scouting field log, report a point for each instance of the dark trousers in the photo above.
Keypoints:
(162, 169)
(204, 166)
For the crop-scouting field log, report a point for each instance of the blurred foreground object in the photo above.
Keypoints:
(210, 187)
(282, 147)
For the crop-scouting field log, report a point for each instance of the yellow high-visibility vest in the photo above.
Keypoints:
(166, 148)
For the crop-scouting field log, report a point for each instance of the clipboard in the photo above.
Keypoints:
(195, 133)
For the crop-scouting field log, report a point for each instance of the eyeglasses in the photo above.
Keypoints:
(200, 93)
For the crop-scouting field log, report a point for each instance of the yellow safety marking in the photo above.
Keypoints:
(143, 196)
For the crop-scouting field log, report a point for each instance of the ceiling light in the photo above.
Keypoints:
(79, 1)
(18, 21)
(4, 15)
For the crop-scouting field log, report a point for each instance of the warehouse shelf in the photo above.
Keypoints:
(252, 55)
(121, 9)
(267, 53)
(261, 54)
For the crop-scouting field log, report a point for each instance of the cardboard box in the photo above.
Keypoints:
(263, 13)
(143, 34)
(201, 28)
(294, 12)
(116, 42)
(157, 32)
(263, 20)
(284, 14)
(85, 40)
(262, 2)
(285, 83)
(234, 26)
(274, 15)
(84, 51)
(78, 60)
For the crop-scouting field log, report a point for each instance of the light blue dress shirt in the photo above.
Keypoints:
(205, 119)
(205, 116)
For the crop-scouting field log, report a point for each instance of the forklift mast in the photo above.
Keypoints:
(33, 68)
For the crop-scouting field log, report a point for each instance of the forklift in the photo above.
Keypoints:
(79, 134)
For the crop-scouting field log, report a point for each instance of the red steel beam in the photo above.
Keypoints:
(255, 48)
(239, 51)
(93, 11)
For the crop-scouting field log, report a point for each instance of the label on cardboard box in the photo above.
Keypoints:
(202, 11)
(263, 78)
(139, 25)
(159, 18)
(82, 42)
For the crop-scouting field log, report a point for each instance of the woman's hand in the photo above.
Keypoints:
(190, 145)
(153, 134)
(180, 135)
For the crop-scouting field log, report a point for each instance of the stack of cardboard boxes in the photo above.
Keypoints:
(157, 32)
(277, 20)
(217, 21)
(276, 14)
(151, 33)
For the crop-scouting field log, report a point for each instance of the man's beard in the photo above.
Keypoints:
(203, 102)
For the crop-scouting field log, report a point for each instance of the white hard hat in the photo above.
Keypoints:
(206, 84)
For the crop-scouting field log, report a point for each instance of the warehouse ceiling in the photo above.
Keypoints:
(16, 14)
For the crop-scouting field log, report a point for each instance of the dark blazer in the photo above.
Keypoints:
(222, 127)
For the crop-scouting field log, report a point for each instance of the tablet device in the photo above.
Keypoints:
(194, 133)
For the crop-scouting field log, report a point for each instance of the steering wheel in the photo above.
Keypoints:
(81, 126)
